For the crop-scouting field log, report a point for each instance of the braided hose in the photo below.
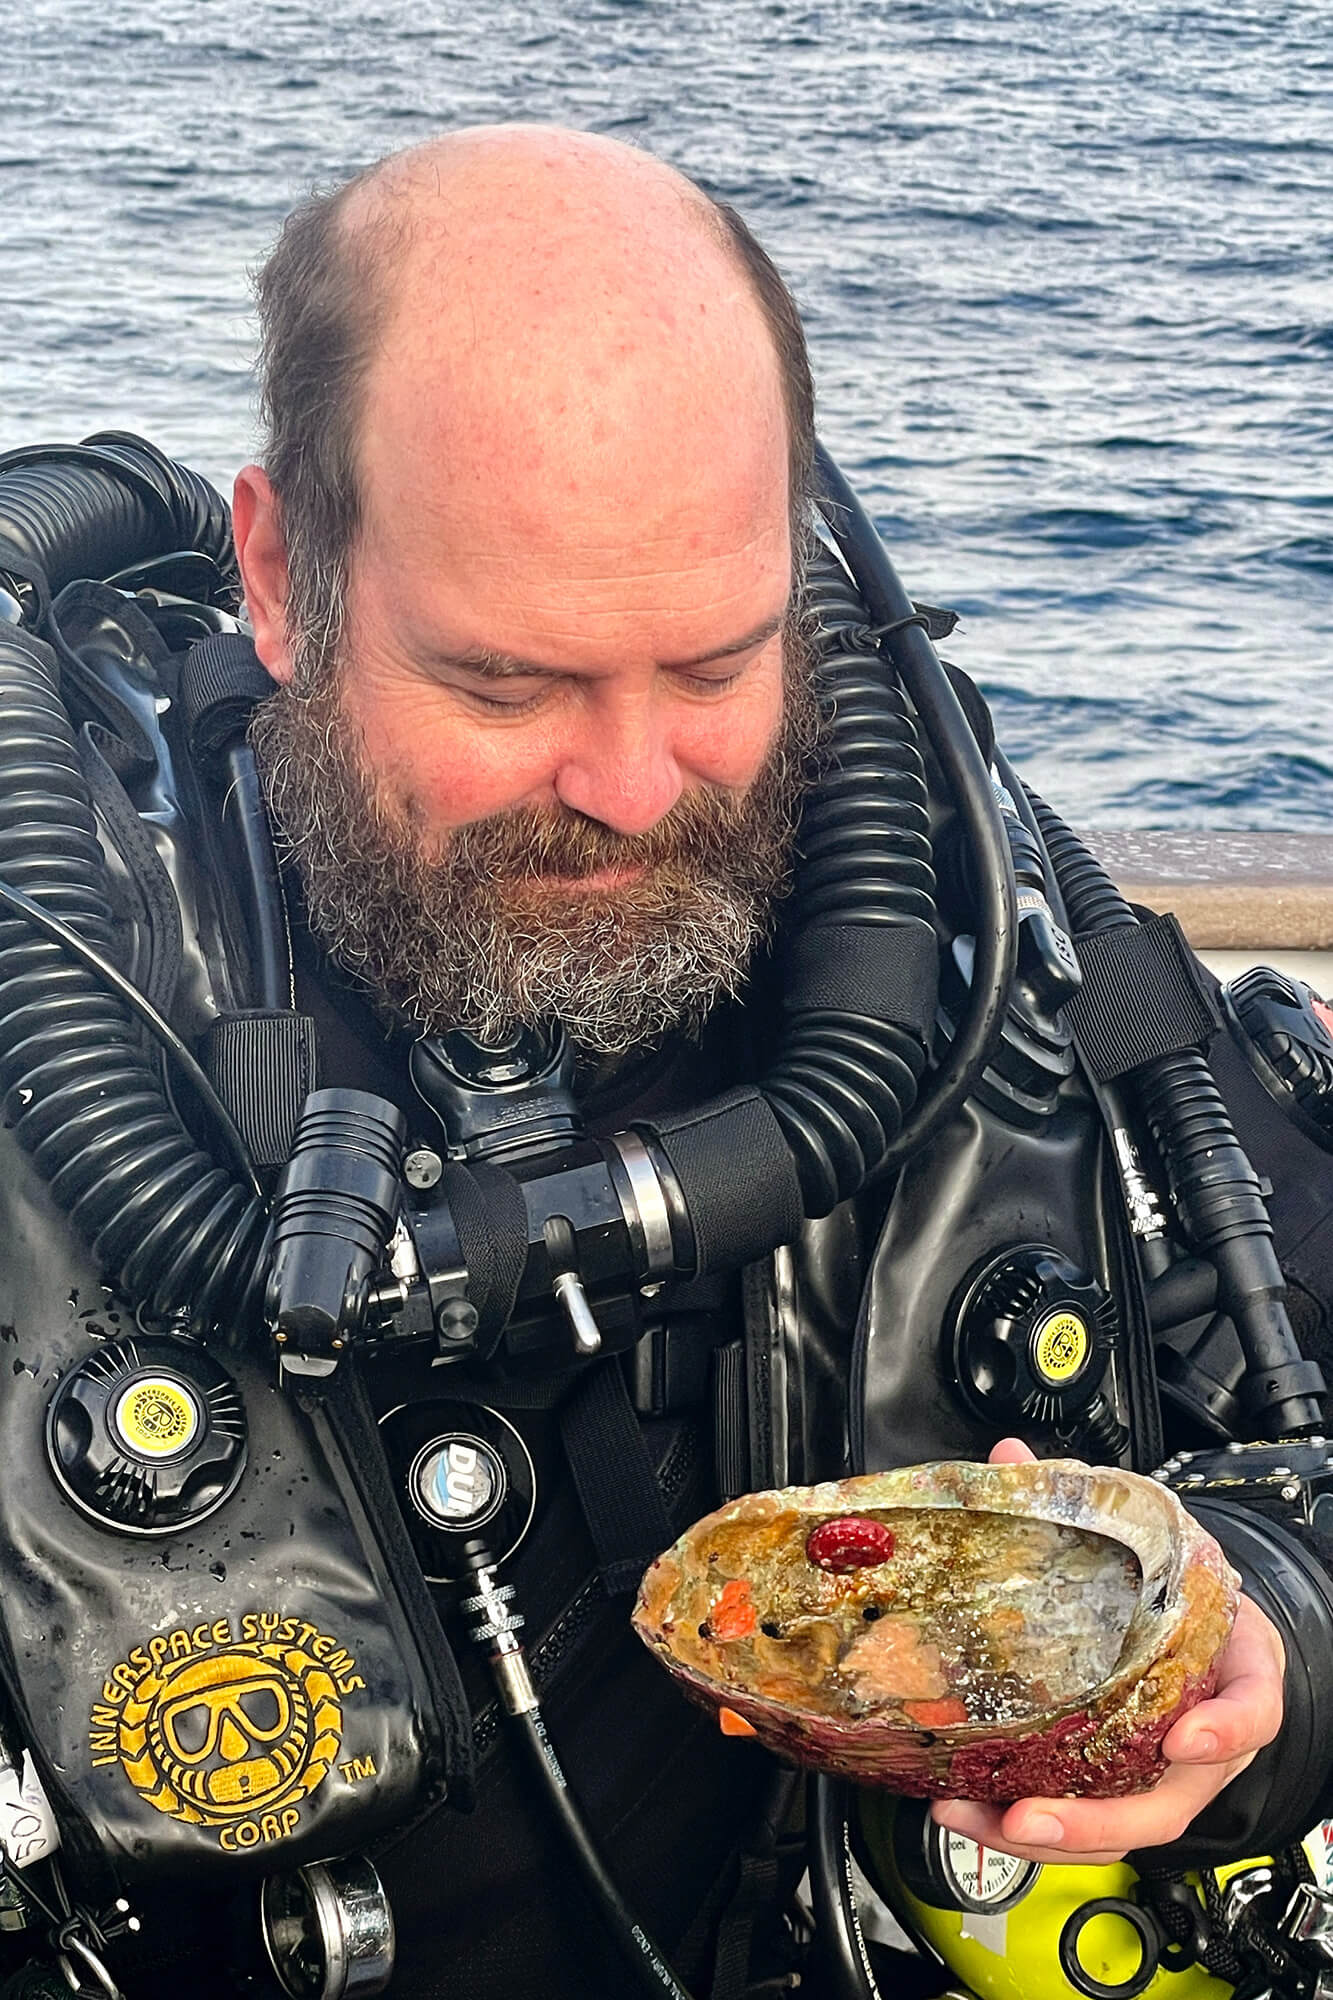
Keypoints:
(844, 1083)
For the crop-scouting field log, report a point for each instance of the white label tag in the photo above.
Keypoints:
(1318, 1846)
(27, 1824)
(990, 1931)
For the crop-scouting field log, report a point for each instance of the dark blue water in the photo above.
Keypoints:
(1065, 266)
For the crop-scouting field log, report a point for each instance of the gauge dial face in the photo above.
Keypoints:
(981, 1878)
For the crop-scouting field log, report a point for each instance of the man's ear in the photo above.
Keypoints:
(261, 551)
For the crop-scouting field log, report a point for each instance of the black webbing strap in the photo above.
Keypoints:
(748, 1888)
(1142, 996)
(731, 1420)
(263, 1065)
(887, 973)
(221, 682)
(613, 1475)
(736, 1217)
(340, 1408)
(756, 1888)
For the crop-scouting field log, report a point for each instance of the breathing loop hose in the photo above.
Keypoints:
(844, 1081)
(88, 510)
(179, 1233)
(965, 773)
(1217, 1193)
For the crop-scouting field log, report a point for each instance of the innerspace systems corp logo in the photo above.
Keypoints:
(229, 1725)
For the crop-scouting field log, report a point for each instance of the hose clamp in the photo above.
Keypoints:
(652, 1214)
(328, 1930)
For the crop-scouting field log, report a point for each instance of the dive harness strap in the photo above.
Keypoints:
(340, 1402)
(1143, 996)
(262, 1061)
(613, 1475)
(263, 1064)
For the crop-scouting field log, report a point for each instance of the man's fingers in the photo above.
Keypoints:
(1245, 1710)
(1093, 1831)
(983, 1824)
(1149, 1819)
(1011, 1451)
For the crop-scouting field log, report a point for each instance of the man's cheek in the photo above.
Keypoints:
(729, 742)
(451, 777)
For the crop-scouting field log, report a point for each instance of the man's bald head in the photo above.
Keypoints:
(513, 290)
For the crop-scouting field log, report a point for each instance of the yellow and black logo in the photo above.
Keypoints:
(227, 1727)
(156, 1417)
(1061, 1346)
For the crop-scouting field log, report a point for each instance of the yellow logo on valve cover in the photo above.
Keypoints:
(156, 1417)
(1061, 1346)
(229, 1724)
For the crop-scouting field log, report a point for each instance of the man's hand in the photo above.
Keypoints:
(1205, 1750)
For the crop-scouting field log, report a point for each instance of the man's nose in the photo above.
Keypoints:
(623, 770)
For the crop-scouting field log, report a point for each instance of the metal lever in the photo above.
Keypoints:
(574, 1302)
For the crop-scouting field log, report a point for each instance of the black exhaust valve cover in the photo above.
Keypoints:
(147, 1435)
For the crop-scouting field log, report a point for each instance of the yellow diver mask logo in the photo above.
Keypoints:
(1061, 1346)
(156, 1417)
(228, 1727)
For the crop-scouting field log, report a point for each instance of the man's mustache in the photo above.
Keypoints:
(560, 843)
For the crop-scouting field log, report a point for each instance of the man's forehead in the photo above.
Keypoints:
(549, 293)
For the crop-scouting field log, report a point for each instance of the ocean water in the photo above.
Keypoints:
(1065, 266)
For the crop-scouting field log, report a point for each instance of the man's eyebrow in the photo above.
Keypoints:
(491, 665)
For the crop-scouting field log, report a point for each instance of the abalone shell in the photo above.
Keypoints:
(952, 1630)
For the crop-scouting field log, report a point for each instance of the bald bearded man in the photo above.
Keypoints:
(545, 693)
(528, 559)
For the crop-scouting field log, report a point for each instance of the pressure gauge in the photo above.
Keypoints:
(980, 1878)
(953, 1872)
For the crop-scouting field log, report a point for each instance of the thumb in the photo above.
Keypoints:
(1011, 1451)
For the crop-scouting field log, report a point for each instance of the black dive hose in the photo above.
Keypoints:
(69, 511)
(844, 1957)
(179, 1233)
(1217, 1193)
(861, 962)
(844, 1082)
(968, 781)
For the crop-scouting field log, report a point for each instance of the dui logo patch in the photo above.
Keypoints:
(229, 1726)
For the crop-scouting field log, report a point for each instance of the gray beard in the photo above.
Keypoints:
(470, 930)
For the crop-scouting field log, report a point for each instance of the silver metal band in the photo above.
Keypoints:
(649, 1201)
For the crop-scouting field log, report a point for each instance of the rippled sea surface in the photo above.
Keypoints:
(1066, 269)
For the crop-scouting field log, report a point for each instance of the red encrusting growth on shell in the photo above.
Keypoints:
(733, 1616)
(850, 1542)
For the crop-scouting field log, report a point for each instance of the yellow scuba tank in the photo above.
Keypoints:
(1007, 1929)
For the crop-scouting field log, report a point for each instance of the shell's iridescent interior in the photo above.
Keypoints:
(976, 1618)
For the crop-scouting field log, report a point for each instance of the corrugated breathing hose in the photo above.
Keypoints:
(1217, 1193)
(844, 1081)
(87, 510)
(178, 1232)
